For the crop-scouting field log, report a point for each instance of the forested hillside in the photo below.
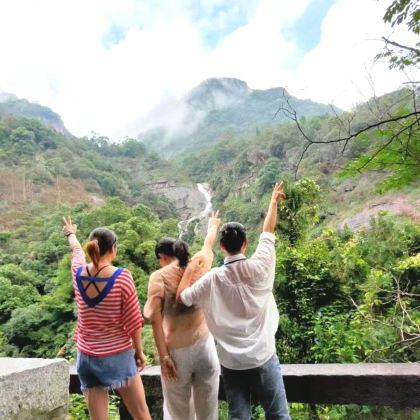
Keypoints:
(45, 175)
(40, 166)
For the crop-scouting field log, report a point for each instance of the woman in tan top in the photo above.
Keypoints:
(189, 364)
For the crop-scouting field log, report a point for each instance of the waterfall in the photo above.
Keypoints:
(206, 192)
(183, 224)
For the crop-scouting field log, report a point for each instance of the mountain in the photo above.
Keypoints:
(221, 107)
(241, 171)
(21, 108)
(41, 168)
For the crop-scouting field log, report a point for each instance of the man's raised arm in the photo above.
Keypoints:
(271, 217)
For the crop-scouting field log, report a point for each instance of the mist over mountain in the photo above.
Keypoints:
(218, 107)
(10, 104)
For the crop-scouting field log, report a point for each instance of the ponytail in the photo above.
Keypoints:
(101, 240)
(93, 251)
(181, 252)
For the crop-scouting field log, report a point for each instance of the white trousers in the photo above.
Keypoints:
(194, 395)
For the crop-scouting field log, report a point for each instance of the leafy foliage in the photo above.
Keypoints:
(39, 322)
(402, 12)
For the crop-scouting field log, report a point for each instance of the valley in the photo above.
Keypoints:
(348, 234)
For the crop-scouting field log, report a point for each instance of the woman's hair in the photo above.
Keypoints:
(101, 240)
(173, 248)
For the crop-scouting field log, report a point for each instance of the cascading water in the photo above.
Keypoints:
(183, 225)
(206, 192)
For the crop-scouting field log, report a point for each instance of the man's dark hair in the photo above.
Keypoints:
(232, 237)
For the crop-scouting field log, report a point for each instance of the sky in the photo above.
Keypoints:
(104, 65)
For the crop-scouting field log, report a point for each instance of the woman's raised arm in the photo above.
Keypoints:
(78, 256)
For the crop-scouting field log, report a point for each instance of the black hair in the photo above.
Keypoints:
(173, 248)
(101, 240)
(232, 237)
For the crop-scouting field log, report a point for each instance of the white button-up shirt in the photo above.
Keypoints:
(239, 306)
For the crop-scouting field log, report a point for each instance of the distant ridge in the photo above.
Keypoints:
(10, 104)
(217, 107)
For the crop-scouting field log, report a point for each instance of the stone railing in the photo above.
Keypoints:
(39, 388)
(387, 384)
(33, 389)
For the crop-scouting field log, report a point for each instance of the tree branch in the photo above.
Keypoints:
(404, 47)
(393, 137)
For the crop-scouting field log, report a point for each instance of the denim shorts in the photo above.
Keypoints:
(109, 372)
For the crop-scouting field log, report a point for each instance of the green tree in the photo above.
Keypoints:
(402, 12)
(13, 296)
(299, 210)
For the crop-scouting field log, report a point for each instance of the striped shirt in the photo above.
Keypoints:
(105, 328)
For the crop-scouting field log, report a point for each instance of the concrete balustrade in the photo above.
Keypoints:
(34, 389)
(39, 388)
(384, 384)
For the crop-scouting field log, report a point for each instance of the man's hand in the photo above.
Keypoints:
(278, 193)
(168, 369)
(271, 217)
(69, 227)
(140, 358)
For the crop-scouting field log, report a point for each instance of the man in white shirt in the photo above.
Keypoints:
(241, 313)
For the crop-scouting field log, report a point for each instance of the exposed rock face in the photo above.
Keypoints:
(33, 389)
(187, 199)
(396, 205)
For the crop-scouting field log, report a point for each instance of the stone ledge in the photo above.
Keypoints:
(33, 388)
(387, 384)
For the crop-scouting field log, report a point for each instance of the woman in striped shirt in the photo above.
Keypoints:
(109, 321)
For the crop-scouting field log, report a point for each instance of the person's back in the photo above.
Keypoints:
(241, 313)
(240, 308)
(189, 364)
(182, 325)
(109, 321)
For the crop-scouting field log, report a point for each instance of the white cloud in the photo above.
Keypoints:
(341, 69)
(53, 52)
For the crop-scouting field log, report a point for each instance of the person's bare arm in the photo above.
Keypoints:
(167, 365)
(138, 349)
(211, 236)
(70, 230)
(187, 278)
(153, 312)
(78, 256)
(271, 217)
(202, 261)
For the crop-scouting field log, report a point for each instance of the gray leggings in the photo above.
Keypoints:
(195, 394)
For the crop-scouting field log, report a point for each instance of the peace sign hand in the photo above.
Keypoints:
(214, 220)
(69, 228)
(278, 193)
